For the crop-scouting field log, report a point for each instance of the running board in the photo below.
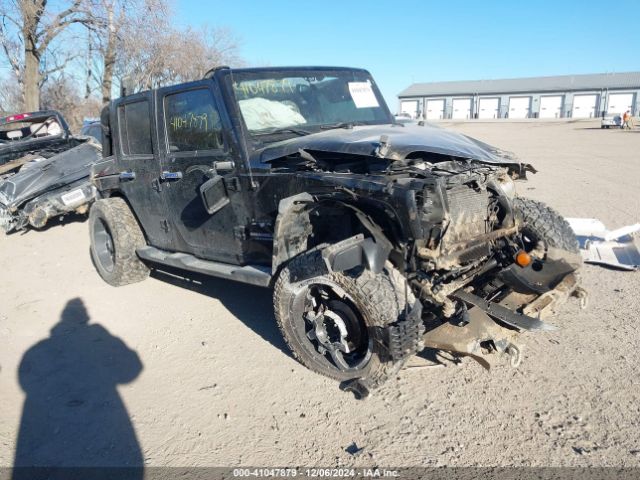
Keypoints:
(253, 274)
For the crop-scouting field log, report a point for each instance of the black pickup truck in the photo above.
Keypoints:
(379, 239)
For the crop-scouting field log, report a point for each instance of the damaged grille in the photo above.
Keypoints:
(468, 213)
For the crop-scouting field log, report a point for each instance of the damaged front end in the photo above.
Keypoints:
(482, 269)
(45, 188)
(483, 264)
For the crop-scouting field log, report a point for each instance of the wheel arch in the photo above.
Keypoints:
(300, 225)
(117, 193)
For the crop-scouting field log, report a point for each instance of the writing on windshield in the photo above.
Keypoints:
(270, 101)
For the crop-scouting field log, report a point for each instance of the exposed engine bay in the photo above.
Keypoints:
(479, 279)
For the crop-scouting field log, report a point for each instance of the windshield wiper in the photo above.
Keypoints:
(297, 131)
(347, 125)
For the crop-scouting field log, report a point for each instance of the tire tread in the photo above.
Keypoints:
(127, 237)
(384, 307)
(547, 223)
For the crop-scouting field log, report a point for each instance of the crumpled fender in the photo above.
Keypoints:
(293, 228)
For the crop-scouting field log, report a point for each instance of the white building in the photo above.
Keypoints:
(566, 96)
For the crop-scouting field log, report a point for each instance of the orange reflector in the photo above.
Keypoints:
(523, 258)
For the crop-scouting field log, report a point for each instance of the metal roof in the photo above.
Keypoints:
(561, 83)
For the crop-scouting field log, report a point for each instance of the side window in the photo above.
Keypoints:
(192, 121)
(135, 128)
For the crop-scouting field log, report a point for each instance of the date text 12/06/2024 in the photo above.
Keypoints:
(317, 472)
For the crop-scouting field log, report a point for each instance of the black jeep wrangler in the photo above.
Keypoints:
(379, 239)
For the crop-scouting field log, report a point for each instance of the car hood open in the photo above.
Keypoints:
(401, 141)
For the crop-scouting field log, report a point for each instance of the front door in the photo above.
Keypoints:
(196, 152)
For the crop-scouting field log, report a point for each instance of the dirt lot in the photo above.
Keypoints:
(194, 373)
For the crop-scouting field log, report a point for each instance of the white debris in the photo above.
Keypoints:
(598, 245)
(622, 232)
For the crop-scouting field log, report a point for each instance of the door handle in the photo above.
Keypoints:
(225, 166)
(166, 176)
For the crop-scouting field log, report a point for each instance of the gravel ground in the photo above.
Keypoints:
(193, 373)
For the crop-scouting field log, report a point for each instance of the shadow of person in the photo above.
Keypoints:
(73, 415)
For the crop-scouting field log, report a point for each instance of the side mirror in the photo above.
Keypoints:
(213, 193)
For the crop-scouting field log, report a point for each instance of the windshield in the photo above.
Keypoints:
(307, 100)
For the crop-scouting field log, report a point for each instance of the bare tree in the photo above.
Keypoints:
(154, 55)
(112, 25)
(27, 32)
(62, 94)
(124, 39)
(113, 21)
(10, 95)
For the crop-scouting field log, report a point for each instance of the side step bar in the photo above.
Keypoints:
(253, 274)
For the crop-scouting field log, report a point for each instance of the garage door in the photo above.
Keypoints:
(620, 102)
(435, 109)
(461, 108)
(410, 107)
(519, 107)
(584, 106)
(488, 107)
(551, 106)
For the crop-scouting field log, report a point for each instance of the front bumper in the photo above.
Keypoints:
(484, 331)
(37, 212)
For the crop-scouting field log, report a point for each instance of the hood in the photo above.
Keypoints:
(400, 142)
(38, 177)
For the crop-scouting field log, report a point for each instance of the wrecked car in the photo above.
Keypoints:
(378, 239)
(44, 170)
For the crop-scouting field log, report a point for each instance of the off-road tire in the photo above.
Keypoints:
(126, 235)
(380, 299)
(546, 224)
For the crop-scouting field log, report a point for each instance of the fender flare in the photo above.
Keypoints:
(293, 228)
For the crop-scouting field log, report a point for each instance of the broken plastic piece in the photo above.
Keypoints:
(600, 246)
(621, 232)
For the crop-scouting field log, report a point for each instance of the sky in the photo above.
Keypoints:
(404, 41)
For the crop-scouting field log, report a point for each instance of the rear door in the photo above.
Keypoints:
(196, 150)
(137, 146)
